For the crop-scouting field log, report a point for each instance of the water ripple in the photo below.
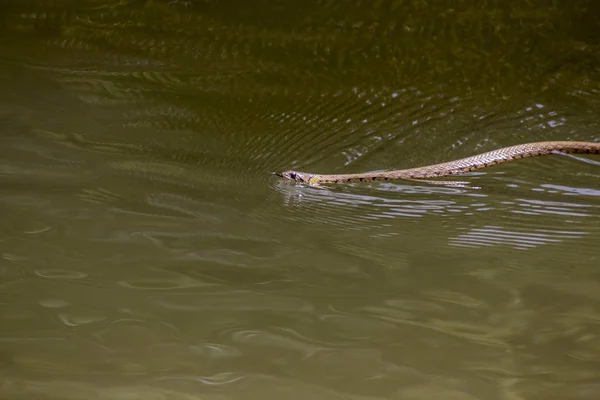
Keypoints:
(496, 235)
(234, 301)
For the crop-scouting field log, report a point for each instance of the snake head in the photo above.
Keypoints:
(295, 176)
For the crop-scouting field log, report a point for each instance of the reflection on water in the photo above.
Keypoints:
(146, 252)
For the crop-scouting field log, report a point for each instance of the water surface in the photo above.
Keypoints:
(148, 253)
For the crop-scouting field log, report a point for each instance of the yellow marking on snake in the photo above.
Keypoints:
(455, 167)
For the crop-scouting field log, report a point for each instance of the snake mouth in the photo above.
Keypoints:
(279, 174)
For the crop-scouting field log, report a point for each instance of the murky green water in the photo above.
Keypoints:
(148, 253)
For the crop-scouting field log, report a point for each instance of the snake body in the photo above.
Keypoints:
(455, 167)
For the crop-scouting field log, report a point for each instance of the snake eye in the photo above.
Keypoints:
(293, 175)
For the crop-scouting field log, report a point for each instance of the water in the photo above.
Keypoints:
(148, 253)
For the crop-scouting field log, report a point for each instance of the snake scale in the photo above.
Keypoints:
(455, 167)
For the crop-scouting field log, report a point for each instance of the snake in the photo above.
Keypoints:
(463, 165)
